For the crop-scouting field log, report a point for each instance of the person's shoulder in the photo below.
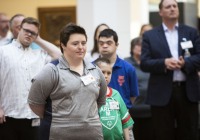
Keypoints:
(127, 58)
(8, 47)
(5, 46)
(89, 65)
(50, 70)
(153, 30)
(115, 92)
(55, 62)
(186, 27)
(126, 64)
(53, 65)
(150, 34)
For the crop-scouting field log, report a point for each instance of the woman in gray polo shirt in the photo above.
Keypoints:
(67, 93)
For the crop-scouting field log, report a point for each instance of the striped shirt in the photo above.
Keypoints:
(17, 67)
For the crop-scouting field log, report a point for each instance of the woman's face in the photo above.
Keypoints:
(75, 47)
(137, 50)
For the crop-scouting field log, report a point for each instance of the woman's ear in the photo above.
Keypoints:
(62, 45)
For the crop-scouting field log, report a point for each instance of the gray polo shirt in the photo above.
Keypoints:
(71, 110)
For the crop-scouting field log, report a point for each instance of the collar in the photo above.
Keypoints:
(65, 65)
(166, 28)
(17, 44)
(118, 62)
(110, 92)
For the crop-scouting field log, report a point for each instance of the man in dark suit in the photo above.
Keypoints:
(171, 53)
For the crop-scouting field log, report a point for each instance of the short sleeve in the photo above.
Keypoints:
(43, 84)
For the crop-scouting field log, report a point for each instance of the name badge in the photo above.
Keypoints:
(187, 44)
(87, 79)
(114, 105)
(35, 122)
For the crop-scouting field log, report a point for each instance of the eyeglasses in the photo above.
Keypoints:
(31, 33)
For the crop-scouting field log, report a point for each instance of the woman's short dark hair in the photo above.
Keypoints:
(68, 30)
(134, 42)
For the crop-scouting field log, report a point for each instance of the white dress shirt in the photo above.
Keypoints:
(6, 40)
(172, 39)
(17, 67)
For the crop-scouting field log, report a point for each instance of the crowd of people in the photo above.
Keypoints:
(69, 92)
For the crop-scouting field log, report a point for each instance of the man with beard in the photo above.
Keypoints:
(5, 35)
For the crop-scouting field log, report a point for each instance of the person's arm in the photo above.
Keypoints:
(126, 133)
(126, 119)
(38, 109)
(51, 49)
(41, 88)
(192, 62)
(153, 54)
(103, 89)
(2, 116)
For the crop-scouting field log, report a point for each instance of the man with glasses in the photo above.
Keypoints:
(19, 63)
(5, 35)
(15, 26)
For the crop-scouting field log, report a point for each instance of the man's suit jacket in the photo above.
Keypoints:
(154, 51)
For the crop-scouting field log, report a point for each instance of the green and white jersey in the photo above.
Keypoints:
(114, 116)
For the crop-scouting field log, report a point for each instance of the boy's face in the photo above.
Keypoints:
(107, 46)
(106, 70)
(27, 34)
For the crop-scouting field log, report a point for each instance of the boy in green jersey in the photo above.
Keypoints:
(114, 115)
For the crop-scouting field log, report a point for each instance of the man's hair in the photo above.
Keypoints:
(99, 60)
(109, 33)
(3, 14)
(68, 30)
(161, 4)
(13, 17)
(31, 20)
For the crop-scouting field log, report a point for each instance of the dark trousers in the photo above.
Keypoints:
(178, 120)
(18, 129)
(143, 129)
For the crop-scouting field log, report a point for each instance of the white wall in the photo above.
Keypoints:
(118, 14)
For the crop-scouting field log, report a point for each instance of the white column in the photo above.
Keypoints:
(139, 15)
(123, 16)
